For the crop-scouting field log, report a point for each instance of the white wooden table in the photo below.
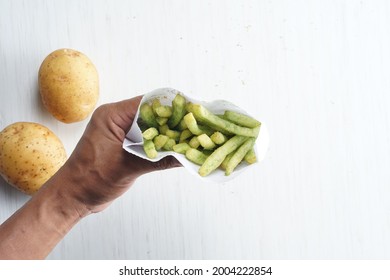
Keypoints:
(317, 72)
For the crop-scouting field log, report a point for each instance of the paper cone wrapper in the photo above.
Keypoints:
(133, 142)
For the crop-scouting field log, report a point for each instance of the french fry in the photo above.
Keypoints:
(218, 138)
(147, 115)
(159, 141)
(178, 110)
(203, 115)
(184, 135)
(194, 142)
(169, 145)
(193, 126)
(173, 134)
(206, 142)
(241, 119)
(164, 111)
(155, 104)
(163, 129)
(239, 155)
(217, 157)
(196, 156)
(250, 156)
(181, 126)
(150, 149)
(150, 133)
(181, 148)
(161, 121)
(226, 160)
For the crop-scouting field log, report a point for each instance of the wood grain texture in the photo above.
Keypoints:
(316, 72)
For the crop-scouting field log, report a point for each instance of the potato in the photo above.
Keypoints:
(68, 85)
(29, 155)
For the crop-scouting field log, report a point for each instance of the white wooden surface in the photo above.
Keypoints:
(317, 72)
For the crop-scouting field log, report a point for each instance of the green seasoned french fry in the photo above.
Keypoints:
(147, 115)
(203, 115)
(194, 142)
(241, 119)
(160, 140)
(150, 133)
(217, 157)
(195, 156)
(250, 156)
(239, 155)
(181, 148)
(164, 111)
(181, 126)
(163, 129)
(184, 135)
(218, 138)
(161, 121)
(150, 149)
(193, 126)
(155, 104)
(175, 135)
(206, 142)
(226, 160)
(169, 145)
(178, 110)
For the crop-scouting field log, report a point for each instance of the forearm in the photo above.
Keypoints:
(35, 229)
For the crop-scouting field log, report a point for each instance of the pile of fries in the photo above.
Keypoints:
(209, 140)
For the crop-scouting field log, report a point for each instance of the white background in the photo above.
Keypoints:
(317, 72)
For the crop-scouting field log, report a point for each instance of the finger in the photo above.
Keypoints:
(167, 163)
(124, 112)
(138, 166)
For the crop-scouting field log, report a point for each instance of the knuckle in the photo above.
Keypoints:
(101, 110)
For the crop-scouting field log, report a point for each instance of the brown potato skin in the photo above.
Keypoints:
(29, 155)
(69, 85)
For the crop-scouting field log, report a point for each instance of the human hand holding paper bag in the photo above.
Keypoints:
(97, 172)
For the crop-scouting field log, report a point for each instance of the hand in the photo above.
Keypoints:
(97, 172)
(101, 169)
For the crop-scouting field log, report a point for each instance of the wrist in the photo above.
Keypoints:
(34, 230)
(62, 188)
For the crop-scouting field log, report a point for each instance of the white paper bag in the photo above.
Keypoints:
(133, 142)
